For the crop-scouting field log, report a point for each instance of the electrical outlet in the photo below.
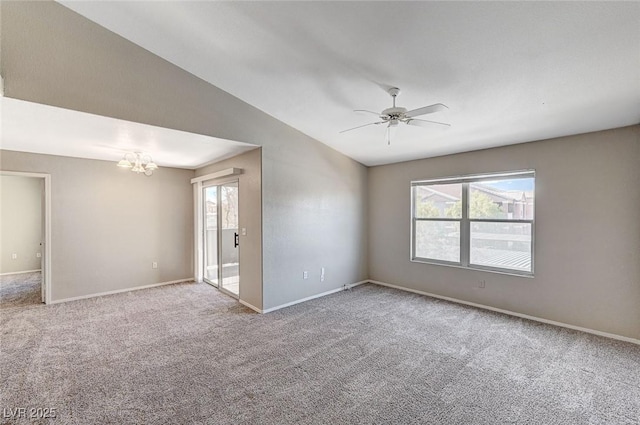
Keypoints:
(38, 255)
(321, 274)
(154, 265)
(14, 256)
(305, 274)
(482, 284)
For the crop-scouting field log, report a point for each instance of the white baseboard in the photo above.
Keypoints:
(26, 271)
(353, 285)
(333, 291)
(512, 313)
(118, 291)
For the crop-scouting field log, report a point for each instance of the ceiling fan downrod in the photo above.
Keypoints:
(394, 91)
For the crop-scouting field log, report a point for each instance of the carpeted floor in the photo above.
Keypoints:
(186, 354)
(20, 289)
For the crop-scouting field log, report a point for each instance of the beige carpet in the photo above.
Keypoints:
(20, 290)
(186, 354)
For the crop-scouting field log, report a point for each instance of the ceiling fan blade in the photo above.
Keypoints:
(426, 110)
(427, 123)
(364, 125)
(369, 112)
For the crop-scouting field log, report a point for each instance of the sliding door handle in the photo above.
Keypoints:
(236, 241)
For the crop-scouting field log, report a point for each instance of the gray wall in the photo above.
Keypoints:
(587, 237)
(109, 224)
(314, 198)
(20, 223)
(249, 217)
(314, 207)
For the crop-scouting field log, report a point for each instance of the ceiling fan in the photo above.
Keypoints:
(397, 114)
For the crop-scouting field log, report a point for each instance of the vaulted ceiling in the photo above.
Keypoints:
(510, 72)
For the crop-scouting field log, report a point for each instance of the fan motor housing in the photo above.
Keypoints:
(394, 112)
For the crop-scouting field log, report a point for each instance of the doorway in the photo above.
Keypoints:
(27, 255)
(221, 238)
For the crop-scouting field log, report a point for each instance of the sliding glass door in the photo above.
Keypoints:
(221, 237)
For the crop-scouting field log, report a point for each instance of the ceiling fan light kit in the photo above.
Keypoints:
(397, 114)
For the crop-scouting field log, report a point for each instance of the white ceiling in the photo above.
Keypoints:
(37, 128)
(510, 72)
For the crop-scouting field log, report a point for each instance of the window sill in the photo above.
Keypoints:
(474, 268)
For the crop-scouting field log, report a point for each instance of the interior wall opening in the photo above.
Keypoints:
(24, 253)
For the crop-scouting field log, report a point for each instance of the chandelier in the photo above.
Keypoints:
(138, 162)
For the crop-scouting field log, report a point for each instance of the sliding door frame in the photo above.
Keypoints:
(199, 183)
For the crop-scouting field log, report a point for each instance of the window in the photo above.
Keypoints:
(481, 222)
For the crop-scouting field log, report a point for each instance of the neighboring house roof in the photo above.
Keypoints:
(452, 193)
(432, 192)
(507, 195)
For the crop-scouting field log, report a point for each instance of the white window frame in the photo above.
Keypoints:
(465, 222)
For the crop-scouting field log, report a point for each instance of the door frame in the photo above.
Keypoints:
(46, 254)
